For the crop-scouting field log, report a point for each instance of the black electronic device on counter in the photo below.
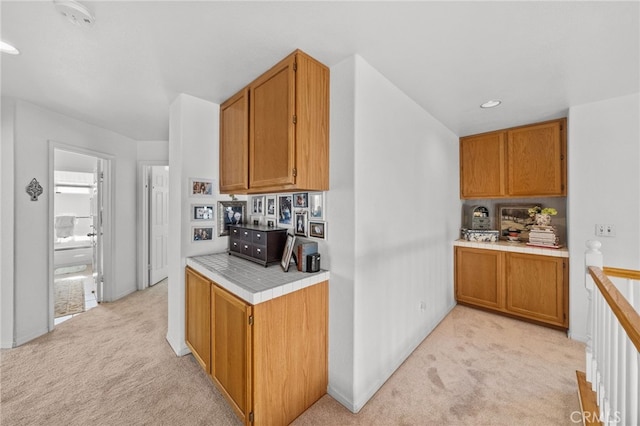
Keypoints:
(257, 243)
(313, 262)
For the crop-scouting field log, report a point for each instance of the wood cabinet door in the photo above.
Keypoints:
(478, 277)
(234, 143)
(271, 127)
(231, 349)
(197, 324)
(536, 163)
(482, 165)
(536, 287)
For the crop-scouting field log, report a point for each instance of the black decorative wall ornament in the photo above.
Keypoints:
(34, 189)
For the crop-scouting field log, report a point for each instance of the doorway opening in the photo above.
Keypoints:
(78, 231)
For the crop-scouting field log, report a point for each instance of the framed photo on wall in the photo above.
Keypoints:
(285, 209)
(199, 187)
(201, 212)
(301, 223)
(257, 204)
(201, 233)
(301, 200)
(230, 213)
(316, 205)
(318, 229)
(271, 206)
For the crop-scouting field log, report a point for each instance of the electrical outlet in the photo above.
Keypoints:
(605, 230)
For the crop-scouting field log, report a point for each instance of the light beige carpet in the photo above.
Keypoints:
(113, 366)
(68, 296)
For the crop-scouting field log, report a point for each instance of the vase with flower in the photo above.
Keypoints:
(542, 216)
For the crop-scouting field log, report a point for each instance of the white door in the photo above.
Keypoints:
(158, 223)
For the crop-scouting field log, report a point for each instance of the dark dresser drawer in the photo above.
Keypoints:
(257, 243)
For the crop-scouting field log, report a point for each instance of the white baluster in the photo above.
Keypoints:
(593, 257)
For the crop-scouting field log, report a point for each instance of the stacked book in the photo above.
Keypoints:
(544, 236)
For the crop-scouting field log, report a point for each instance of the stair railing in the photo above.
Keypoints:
(613, 340)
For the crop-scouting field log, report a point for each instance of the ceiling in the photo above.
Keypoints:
(123, 73)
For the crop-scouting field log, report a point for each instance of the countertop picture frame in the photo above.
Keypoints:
(200, 187)
(202, 212)
(514, 216)
(288, 251)
(230, 213)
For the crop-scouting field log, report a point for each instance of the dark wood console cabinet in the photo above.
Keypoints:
(257, 243)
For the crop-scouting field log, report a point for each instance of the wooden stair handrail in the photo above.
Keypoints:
(621, 273)
(626, 314)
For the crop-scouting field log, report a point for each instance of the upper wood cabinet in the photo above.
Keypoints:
(288, 130)
(234, 152)
(526, 161)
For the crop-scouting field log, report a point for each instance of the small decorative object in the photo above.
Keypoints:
(542, 216)
(480, 235)
(34, 189)
(288, 251)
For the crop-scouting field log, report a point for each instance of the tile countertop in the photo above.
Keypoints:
(250, 281)
(514, 247)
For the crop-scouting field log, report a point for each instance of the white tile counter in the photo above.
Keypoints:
(250, 281)
(514, 247)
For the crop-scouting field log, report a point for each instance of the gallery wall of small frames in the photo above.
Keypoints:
(303, 212)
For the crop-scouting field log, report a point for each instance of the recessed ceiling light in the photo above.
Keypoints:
(7, 48)
(491, 104)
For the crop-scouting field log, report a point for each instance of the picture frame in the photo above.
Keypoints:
(201, 233)
(257, 204)
(199, 187)
(271, 207)
(271, 223)
(316, 205)
(256, 219)
(301, 200)
(202, 212)
(285, 210)
(515, 217)
(230, 213)
(300, 223)
(288, 251)
(318, 229)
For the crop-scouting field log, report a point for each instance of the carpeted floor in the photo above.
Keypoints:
(113, 366)
(69, 296)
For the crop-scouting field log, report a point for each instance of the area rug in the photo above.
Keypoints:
(69, 297)
(69, 269)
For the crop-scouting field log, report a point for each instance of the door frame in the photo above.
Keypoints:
(144, 171)
(107, 221)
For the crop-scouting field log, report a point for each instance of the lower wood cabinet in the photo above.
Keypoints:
(527, 286)
(198, 312)
(269, 360)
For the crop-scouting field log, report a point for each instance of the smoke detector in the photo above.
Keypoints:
(74, 12)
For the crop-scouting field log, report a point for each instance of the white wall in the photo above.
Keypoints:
(7, 170)
(404, 214)
(193, 153)
(604, 188)
(34, 128)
